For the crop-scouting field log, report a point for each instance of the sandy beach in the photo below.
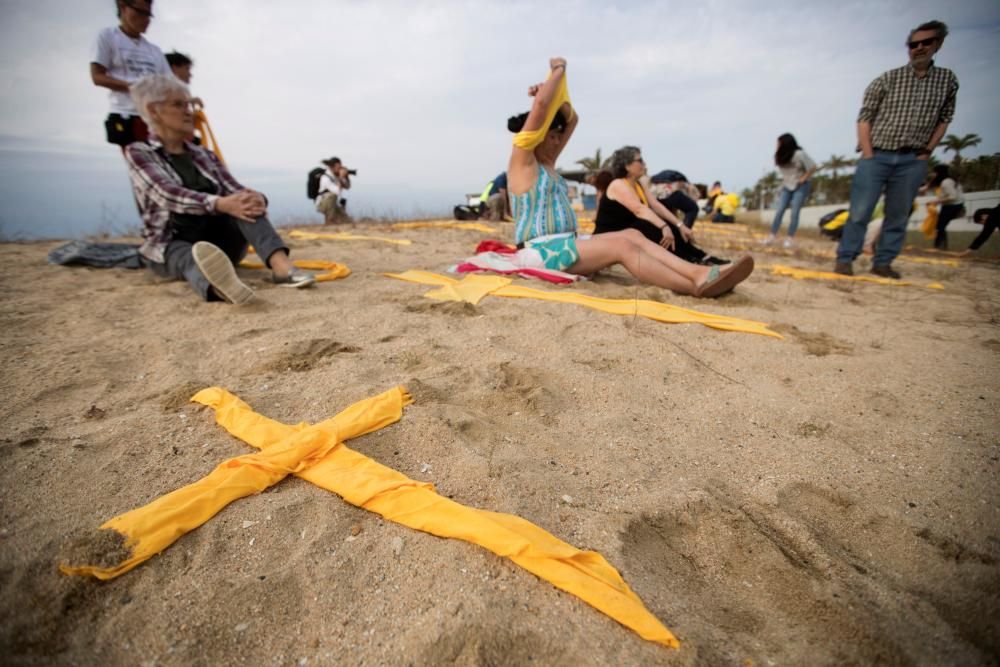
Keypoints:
(831, 497)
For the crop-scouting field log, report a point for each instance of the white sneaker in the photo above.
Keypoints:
(219, 272)
(769, 240)
(789, 243)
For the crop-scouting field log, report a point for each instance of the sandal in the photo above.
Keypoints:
(721, 281)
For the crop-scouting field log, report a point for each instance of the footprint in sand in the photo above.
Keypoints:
(816, 344)
(306, 355)
(455, 308)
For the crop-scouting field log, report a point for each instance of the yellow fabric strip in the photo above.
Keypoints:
(344, 236)
(528, 140)
(642, 195)
(474, 287)
(803, 274)
(330, 270)
(208, 139)
(151, 529)
(366, 483)
(444, 224)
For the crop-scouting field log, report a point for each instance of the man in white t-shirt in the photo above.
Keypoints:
(122, 56)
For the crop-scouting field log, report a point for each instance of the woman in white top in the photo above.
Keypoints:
(796, 168)
(951, 200)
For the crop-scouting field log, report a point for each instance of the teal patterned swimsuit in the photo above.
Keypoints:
(545, 221)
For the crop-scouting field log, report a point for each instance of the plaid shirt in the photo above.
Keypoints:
(159, 190)
(904, 109)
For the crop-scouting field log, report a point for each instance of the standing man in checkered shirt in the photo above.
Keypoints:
(904, 114)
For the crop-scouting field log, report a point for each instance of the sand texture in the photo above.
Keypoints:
(832, 498)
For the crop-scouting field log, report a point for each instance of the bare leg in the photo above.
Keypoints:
(644, 259)
(280, 263)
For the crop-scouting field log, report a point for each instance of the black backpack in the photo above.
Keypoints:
(312, 185)
(832, 233)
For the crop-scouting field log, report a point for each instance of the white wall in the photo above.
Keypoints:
(810, 215)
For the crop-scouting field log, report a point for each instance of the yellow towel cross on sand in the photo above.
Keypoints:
(316, 453)
(473, 288)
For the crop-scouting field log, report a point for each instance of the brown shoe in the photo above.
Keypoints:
(886, 271)
(844, 269)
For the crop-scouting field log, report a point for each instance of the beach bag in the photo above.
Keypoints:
(312, 184)
(832, 224)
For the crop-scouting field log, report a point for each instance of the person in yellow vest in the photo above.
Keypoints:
(725, 207)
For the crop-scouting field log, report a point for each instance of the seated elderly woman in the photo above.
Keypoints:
(628, 204)
(544, 218)
(197, 219)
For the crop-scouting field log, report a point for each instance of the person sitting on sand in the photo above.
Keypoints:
(724, 206)
(545, 221)
(197, 219)
(627, 204)
(677, 194)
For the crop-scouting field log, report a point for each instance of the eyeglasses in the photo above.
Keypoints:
(639, 160)
(922, 42)
(179, 105)
(140, 12)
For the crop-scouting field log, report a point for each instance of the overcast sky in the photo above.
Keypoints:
(415, 95)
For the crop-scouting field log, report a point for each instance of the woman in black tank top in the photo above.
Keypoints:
(643, 213)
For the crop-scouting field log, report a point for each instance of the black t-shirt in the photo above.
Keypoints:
(191, 177)
(183, 225)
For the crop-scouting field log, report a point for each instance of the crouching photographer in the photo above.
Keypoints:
(330, 200)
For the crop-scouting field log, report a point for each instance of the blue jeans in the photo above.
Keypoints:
(797, 197)
(900, 175)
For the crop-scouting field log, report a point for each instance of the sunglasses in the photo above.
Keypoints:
(922, 42)
(640, 160)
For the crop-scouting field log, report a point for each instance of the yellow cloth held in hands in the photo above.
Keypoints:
(445, 224)
(329, 270)
(474, 287)
(528, 140)
(344, 236)
(363, 482)
(929, 226)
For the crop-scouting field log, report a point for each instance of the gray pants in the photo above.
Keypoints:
(230, 235)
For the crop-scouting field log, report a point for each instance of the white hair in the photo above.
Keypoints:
(152, 89)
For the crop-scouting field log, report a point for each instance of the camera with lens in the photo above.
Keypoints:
(352, 172)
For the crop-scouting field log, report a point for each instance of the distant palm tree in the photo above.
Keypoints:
(591, 164)
(957, 144)
(768, 185)
(837, 162)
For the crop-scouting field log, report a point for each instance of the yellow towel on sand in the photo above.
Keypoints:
(317, 455)
(473, 288)
(802, 274)
(528, 140)
(330, 270)
(344, 236)
(472, 226)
